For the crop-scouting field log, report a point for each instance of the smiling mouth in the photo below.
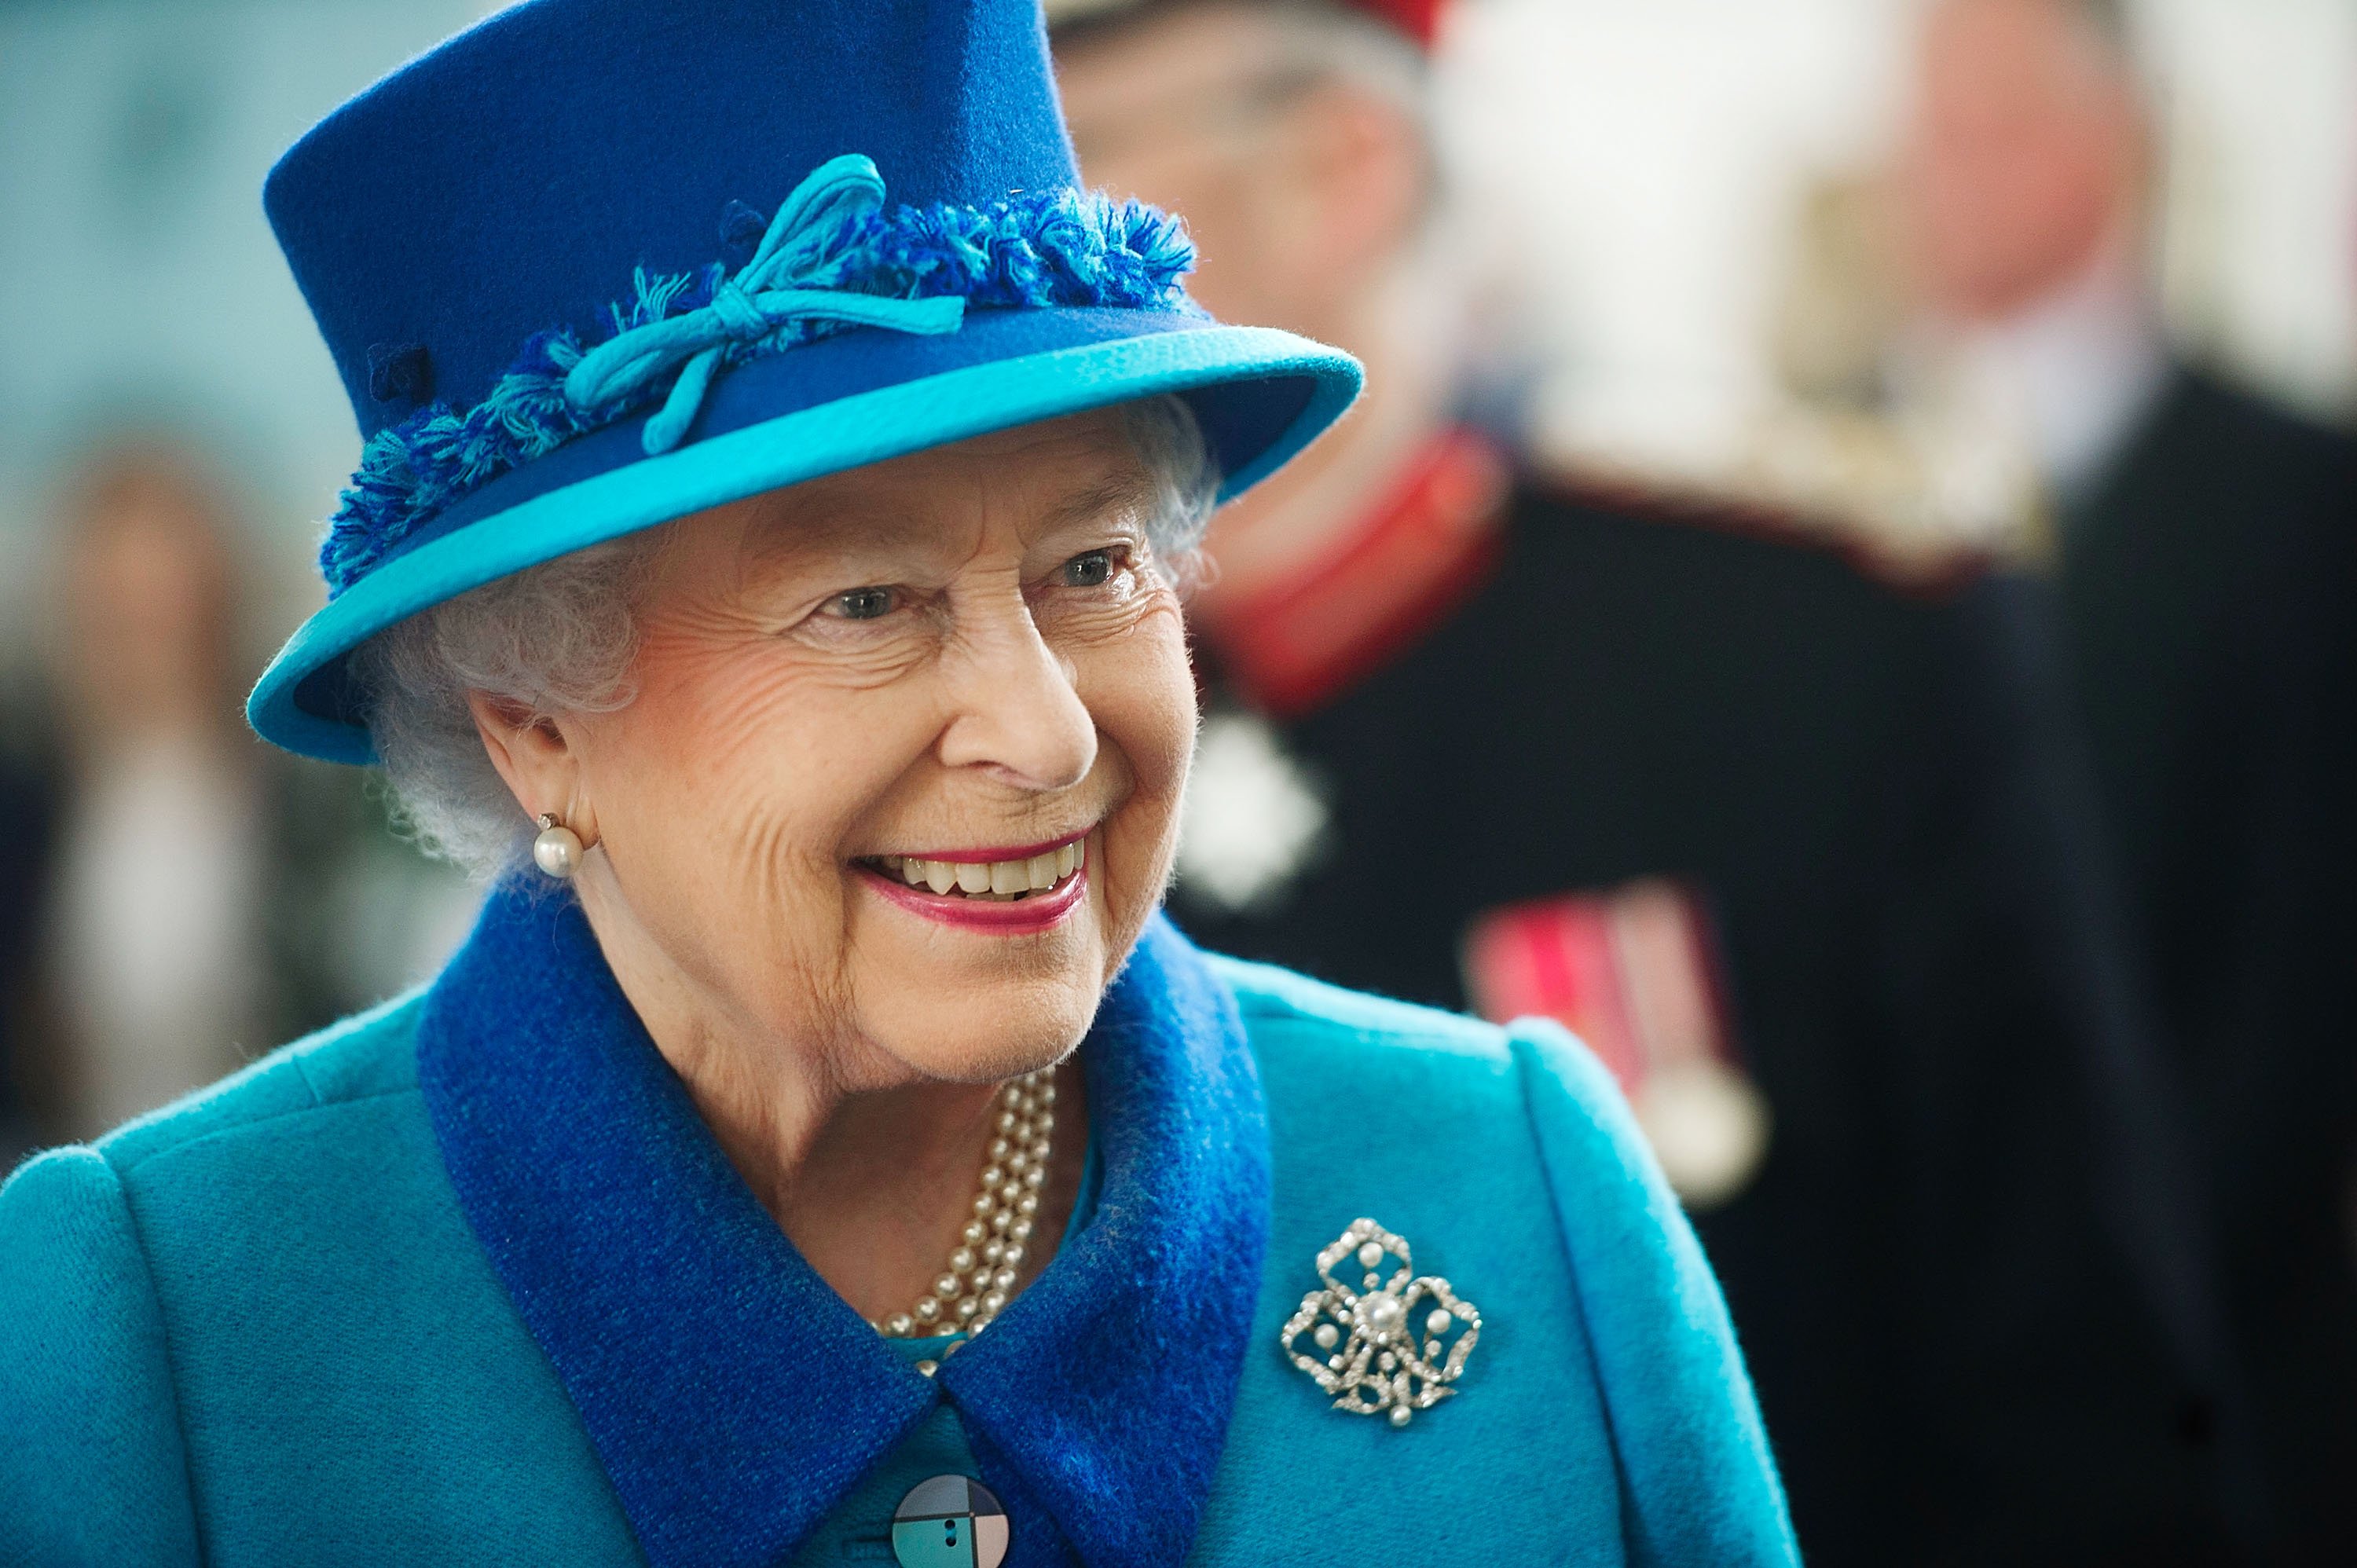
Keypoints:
(986, 881)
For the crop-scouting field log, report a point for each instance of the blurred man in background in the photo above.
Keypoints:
(2205, 543)
(1785, 845)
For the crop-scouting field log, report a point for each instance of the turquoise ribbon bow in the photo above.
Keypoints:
(761, 298)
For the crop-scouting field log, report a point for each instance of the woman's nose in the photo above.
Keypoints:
(1018, 711)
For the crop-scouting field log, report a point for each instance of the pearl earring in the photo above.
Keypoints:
(557, 850)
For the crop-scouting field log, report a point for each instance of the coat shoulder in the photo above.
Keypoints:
(363, 1057)
(1479, 1089)
(1474, 1079)
(1322, 1028)
(1509, 1158)
(1278, 1001)
(94, 1252)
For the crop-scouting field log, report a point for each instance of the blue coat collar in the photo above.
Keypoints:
(733, 1397)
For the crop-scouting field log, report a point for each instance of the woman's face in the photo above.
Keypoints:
(955, 671)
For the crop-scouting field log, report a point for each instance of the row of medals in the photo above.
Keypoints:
(982, 1272)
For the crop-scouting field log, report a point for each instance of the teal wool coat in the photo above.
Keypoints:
(463, 1281)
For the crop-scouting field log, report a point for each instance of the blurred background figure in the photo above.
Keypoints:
(156, 935)
(2022, 200)
(2204, 540)
(177, 892)
(1791, 848)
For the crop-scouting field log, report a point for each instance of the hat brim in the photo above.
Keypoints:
(1260, 395)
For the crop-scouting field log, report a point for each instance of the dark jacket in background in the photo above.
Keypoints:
(2210, 583)
(29, 812)
(1977, 1333)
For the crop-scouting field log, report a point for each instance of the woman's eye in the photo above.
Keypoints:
(1092, 570)
(863, 603)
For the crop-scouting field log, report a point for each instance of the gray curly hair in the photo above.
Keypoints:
(560, 638)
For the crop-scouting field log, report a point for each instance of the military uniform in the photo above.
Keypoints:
(1977, 1333)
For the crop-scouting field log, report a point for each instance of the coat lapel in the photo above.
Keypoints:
(733, 1397)
(1103, 1392)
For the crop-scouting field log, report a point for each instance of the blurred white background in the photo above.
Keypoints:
(1638, 168)
(1634, 171)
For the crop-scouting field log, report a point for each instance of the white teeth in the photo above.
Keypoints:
(994, 879)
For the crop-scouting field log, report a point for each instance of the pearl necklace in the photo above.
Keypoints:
(981, 1274)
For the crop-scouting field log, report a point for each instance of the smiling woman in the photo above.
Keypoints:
(823, 1148)
(969, 661)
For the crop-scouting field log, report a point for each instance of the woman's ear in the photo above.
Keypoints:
(538, 758)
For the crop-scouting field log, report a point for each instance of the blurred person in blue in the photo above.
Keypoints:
(2205, 546)
(1790, 848)
(762, 564)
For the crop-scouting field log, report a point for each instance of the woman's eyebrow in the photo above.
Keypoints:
(1124, 491)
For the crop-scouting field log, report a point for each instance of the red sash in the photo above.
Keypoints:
(1377, 589)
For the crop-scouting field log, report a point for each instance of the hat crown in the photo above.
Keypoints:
(511, 180)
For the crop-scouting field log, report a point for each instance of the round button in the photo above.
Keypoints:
(950, 1521)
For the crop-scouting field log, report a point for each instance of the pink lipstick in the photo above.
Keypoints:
(1010, 891)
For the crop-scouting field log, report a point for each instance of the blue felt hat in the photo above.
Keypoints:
(596, 264)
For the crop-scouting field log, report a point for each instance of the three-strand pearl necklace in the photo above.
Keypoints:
(982, 1272)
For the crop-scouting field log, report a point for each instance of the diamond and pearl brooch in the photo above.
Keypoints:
(1368, 1356)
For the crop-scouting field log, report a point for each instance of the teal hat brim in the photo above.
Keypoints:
(303, 700)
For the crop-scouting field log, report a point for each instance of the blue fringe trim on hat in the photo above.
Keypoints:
(1050, 248)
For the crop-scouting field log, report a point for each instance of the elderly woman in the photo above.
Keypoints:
(821, 1151)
